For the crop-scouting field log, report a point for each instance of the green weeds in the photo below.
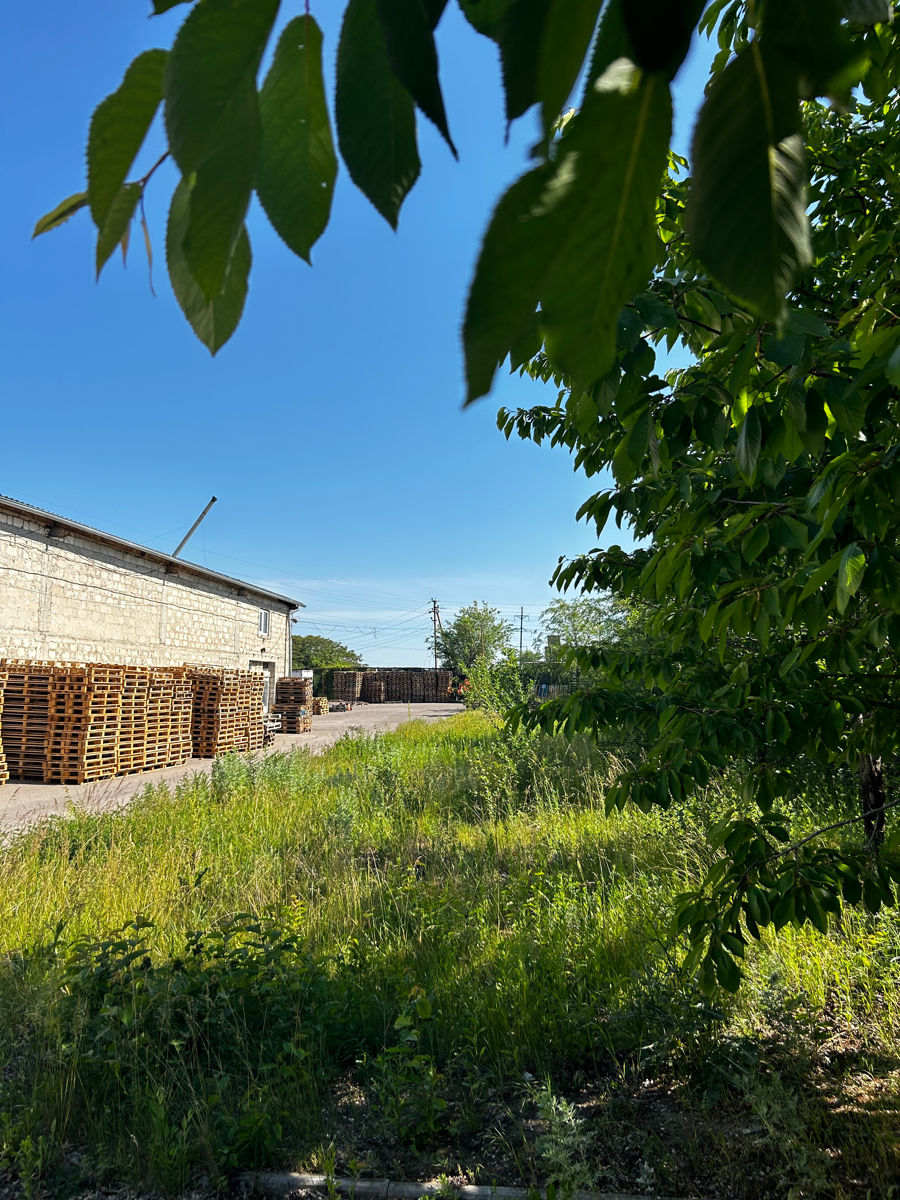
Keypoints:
(369, 951)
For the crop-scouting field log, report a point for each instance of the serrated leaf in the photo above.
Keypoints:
(746, 214)
(297, 164)
(59, 215)
(216, 53)
(215, 320)
(485, 16)
(506, 288)
(575, 235)
(520, 38)
(748, 445)
(568, 31)
(612, 43)
(118, 128)
(212, 120)
(408, 28)
(117, 222)
(375, 115)
(220, 195)
(608, 169)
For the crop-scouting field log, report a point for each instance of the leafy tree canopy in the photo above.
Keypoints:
(763, 481)
(311, 651)
(578, 622)
(573, 239)
(477, 631)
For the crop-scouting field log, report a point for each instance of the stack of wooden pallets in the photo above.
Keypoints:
(293, 704)
(25, 722)
(374, 688)
(227, 711)
(84, 710)
(133, 731)
(347, 685)
(4, 773)
(292, 689)
(294, 718)
(78, 722)
(320, 706)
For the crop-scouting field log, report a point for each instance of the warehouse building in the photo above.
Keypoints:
(72, 593)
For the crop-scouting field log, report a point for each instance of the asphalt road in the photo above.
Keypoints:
(23, 804)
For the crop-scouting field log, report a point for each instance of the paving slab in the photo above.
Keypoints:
(22, 804)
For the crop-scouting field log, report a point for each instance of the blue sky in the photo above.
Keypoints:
(330, 427)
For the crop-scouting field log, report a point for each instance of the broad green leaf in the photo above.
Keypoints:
(118, 128)
(485, 15)
(892, 370)
(746, 214)
(506, 288)
(575, 235)
(407, 27)
(748, 445)
(811, 33)
(601, 218)
(222, 184)
(660, 31)
(161, 6)
(297, 163)
(612, 43)
(59, 215)
(520, 39)
(375, 115)
(566, 40)
(850, 572)
(755, 542)
(215, 320)
(216, 54)
(117, 222)
(212, 121)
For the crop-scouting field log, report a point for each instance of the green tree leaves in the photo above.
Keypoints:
(409, 38)
(297, 163)
(58, 216)
(747, 212)
(214, 319)
(575, 236)
(212, 121)
(375, 114)
(118, 128)
(573, 240)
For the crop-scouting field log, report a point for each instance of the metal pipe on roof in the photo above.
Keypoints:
(184, 541)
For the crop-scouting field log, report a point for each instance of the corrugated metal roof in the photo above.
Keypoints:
(181, 565)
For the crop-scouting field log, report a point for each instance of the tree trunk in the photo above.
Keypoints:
(873, 799)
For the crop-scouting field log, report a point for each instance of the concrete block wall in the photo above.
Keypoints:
(70, 598)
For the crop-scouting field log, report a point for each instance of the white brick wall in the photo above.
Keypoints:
(72, 598)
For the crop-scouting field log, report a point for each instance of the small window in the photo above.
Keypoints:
(263, 622)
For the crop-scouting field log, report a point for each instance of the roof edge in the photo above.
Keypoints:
(168, 560)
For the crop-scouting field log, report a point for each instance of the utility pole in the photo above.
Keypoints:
(521, 629)
(435, 620)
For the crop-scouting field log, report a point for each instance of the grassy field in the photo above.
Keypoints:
(424, 954)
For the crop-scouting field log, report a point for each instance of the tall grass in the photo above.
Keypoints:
(428, 915)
